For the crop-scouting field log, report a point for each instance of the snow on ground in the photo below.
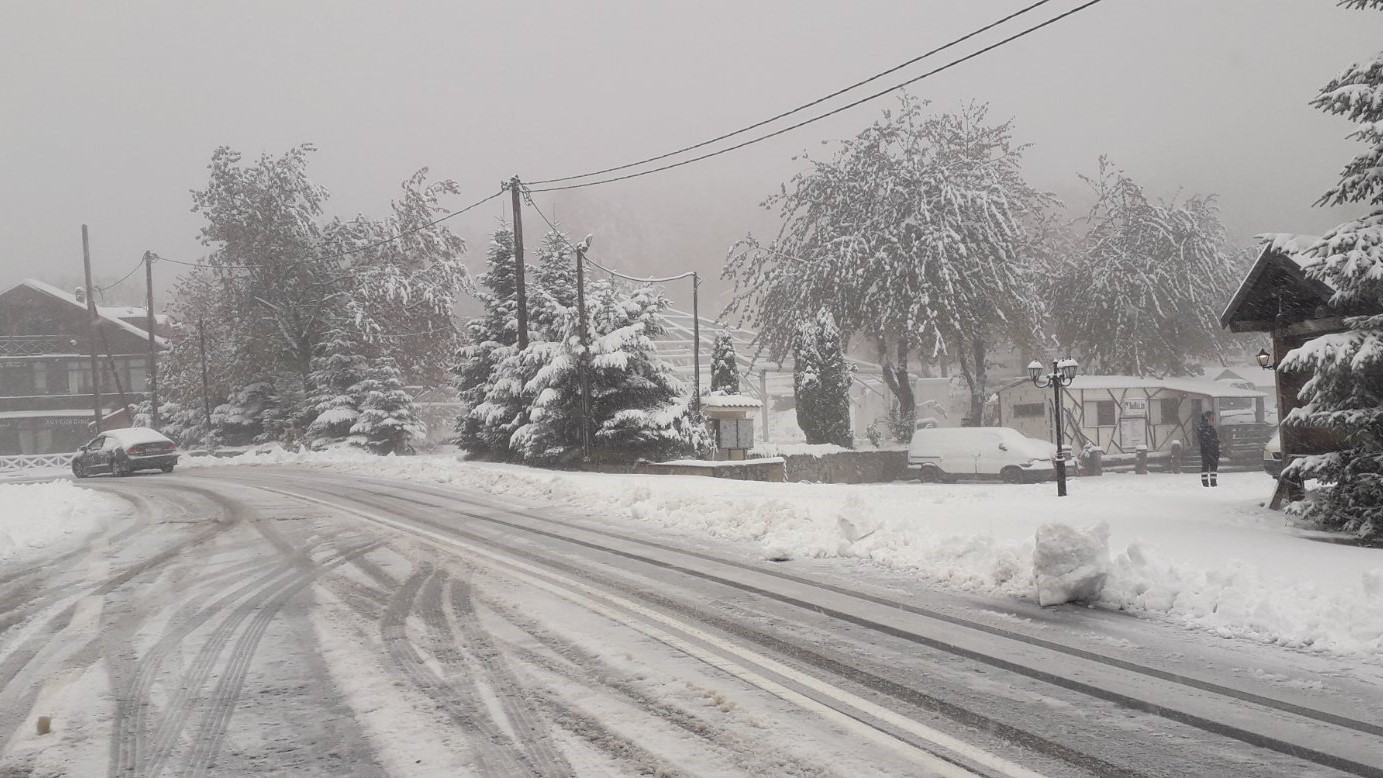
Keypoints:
(1212, 559)
(36, 515)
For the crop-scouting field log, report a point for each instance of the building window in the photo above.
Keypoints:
(1171, 410)
(1029, 410)
(1104, 413)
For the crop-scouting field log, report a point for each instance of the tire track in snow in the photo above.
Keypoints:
(494, 750)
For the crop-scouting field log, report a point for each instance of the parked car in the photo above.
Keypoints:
(1272, 455)
(953, 453)
(123, 451)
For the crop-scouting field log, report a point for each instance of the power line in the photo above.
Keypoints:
(804, 106)
(123, 278)
(597, 265)
(832, 112)
(348, 252)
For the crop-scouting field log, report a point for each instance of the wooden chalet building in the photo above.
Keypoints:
(1278, 299)
(46, 402)
(1118, 414)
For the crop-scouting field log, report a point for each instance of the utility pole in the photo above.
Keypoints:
(206, 383)
(90, 295)
(696, 342)
(585, 348)
(152, 367)
(516, 194)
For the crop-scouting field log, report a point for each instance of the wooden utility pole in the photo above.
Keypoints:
(696, 342)
(516, 194)
(206, 383)
(585, 348)
(90, 294)
(151, 368)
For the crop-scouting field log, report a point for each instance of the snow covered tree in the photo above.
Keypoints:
(388, 417)
(281, 279)
(917, 235)
(491, 338)
(821, 382)
(336, 373)
(637, 408)
(1142, 292)
(725, 371)
(1345, 390)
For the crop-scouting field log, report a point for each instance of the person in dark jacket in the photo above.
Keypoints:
(1209, 439)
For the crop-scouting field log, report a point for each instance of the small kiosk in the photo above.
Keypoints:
(729, 417)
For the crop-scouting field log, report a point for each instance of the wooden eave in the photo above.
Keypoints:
(1274, 289)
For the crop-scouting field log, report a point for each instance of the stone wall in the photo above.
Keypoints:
(770, 469)
(849, 467)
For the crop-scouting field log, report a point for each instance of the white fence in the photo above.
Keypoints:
(15, 464)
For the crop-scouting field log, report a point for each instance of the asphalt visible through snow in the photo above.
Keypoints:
(283, 621)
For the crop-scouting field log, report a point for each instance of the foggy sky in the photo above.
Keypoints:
(109, 112)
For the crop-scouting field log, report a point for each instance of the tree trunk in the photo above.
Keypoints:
(895, 374)
(972, 369)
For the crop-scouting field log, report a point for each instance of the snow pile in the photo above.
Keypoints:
(1070, 565)
(41, 514)
(1210, 559)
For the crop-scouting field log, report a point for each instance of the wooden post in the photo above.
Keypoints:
(152, 367)
(90, 294)
(515, 193)
(763, 397)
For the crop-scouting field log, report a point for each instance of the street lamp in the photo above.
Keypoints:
(1063, 373)
(1265, 360)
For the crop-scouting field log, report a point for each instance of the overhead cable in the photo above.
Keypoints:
(830, 113)
(804, 106)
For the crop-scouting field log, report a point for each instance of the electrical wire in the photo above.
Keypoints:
(596, 265)
(830, 113)
(122, 280)
(804, 106)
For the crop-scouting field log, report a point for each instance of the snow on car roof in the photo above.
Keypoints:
(134, 435)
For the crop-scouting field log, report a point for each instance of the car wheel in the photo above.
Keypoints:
(929, 474)
(121, 467)
(1011, 475)
(78, 469)
(166, 468)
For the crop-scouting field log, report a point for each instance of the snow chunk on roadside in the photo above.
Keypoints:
(41, 514)
(1070, 564)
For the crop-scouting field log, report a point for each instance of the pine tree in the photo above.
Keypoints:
(483, 431)
(821, 382)
(833, 378)
(336, 371)
(388, 418)
(725, 374)
(1345, 391)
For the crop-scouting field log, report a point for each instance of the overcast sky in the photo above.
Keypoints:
(109, 112)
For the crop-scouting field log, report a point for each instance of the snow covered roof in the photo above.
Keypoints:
(110, 315)
(1282, 252)
(1203, 386)
(729, 401)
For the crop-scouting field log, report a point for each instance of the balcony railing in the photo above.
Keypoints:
(33, 345)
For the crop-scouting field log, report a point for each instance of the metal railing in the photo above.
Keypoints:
(22, 462)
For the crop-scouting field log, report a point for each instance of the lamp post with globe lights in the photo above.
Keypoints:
(1063, 373)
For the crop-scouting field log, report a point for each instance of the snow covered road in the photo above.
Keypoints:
(282, 620)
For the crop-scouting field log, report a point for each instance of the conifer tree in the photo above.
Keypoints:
(337, 370)
(491, 338)
(725, 375)
(388, 418)
(821, 380)
(1345, 391)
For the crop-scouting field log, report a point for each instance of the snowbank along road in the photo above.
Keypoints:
(285, 621)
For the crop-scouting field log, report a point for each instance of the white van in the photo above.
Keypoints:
(952, 453)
